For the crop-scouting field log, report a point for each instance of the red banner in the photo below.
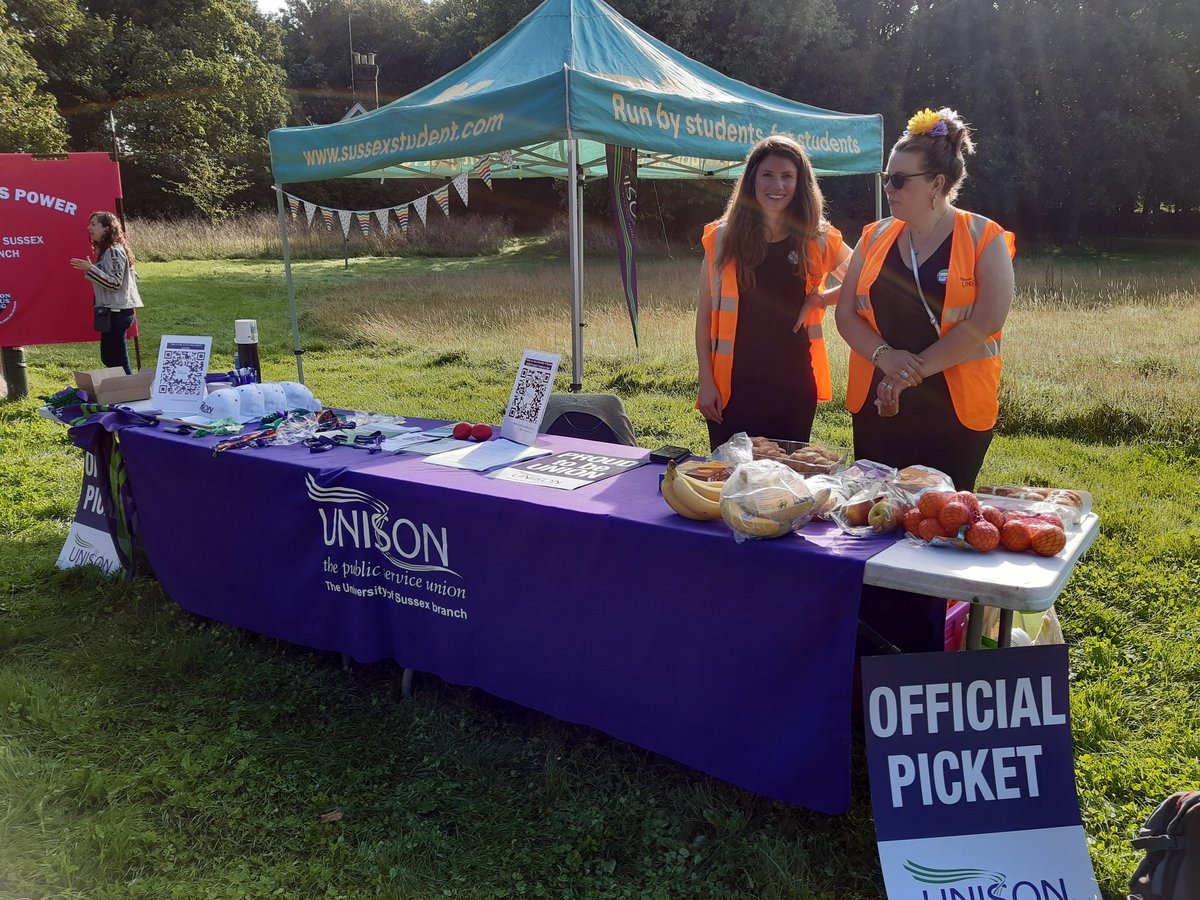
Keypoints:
(45, 205)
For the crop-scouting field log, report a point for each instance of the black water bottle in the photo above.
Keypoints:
(246, 336)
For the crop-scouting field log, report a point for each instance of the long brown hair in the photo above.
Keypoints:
(114, 235)
(744, 242)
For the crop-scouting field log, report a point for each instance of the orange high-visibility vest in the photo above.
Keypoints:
(975, 383)
(821, 255)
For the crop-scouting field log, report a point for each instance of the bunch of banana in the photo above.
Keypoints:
(766, 512)
(692, 499)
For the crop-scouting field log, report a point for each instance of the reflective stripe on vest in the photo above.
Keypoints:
(974, 383)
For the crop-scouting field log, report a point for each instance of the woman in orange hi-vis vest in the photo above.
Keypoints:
(761, 303)
(922, 306)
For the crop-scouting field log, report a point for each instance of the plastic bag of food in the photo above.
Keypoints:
(736, 450)
(765, 499)
(874, 508)
(912, 481)
(1069, 506)
(805, 458)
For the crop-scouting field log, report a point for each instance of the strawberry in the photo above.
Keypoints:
(929, 529)
(1015, 536)
(912, 519)
(993, 515)
(983, 536)
(953, 516)
(969, 500)
(931, 502)
(1046, 540)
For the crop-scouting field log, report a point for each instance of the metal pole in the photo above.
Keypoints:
(878, 196)
(350, 33)
(291, 288)
(575, 216)
(12, 360)
(119, 202)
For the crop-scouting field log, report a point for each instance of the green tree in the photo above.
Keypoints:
(29, 118)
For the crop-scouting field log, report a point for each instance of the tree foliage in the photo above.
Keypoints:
(1085, 112)
(29, 117)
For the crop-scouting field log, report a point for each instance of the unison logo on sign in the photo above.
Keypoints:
(352, 518)
(980, 884)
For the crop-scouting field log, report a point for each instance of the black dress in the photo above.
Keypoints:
(772, 391)
(926, 431)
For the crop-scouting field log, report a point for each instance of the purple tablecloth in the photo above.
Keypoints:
(598, 606)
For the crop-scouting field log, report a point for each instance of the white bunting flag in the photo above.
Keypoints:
(383, 217)
(344, 215)
(419, 205)
(460, 185)
(310, 210)
(506, 157)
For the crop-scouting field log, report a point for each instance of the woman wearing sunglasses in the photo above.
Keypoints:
(763, 294)
(922, 307)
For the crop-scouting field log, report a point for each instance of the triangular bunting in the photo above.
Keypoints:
(460, 185)
(310, 210)
(402, 215)
(327, 215)
(419, 205)
(442, 196)
(293, 205)
(383, 217)
(344, 215)
(484, 168)
(364, 223)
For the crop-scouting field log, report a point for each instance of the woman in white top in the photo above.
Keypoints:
(114, 284)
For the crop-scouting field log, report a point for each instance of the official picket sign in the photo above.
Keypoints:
(89, 542)
(972, 776)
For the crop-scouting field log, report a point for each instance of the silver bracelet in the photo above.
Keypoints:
(878, 350)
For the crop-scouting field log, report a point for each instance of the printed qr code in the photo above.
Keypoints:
(182, 373)
(533, 385)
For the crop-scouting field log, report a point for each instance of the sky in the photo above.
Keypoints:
(270, 6)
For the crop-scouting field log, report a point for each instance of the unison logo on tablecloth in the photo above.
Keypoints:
(354, 519)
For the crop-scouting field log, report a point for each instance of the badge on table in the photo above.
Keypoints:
(972, 776)
(530, 394)
(179, 386)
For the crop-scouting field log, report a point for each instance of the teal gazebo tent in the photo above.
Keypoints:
(572, 76)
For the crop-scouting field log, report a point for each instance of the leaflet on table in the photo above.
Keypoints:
(432, 440)
(179, 385)
(530, 395)
(568, 470)
(485, 456)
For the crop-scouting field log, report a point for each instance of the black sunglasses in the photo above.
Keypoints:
(897, 180)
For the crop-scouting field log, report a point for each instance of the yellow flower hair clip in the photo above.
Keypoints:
(927, 122)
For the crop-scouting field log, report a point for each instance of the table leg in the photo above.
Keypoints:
(975, 627)
(1004, 638)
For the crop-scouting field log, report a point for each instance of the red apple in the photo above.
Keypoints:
(462, 431)
(481, 432)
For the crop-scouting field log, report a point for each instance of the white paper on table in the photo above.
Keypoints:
(407, 442)
(487, 455)
(179, 386)
(530, 395)
(439, 445)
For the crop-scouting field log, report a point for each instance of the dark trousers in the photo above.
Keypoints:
(113, 350)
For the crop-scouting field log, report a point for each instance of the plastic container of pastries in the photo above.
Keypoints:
(805, 458)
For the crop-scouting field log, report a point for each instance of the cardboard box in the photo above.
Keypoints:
(114, 386)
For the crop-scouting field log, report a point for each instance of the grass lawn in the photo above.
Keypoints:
(146, 753)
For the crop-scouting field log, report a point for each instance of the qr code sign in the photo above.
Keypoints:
(182, 372)
(533, 384)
